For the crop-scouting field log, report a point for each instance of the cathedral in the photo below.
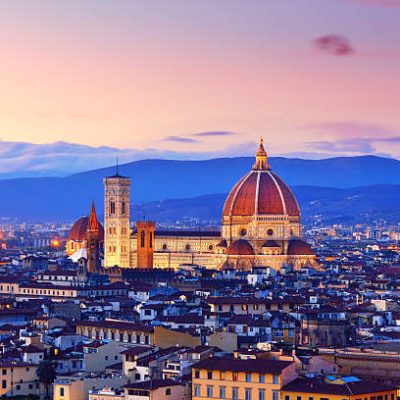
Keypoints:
(261, 226)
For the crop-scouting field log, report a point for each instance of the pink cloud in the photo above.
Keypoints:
(334, 44)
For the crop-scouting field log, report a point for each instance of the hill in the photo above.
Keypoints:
(69, 197)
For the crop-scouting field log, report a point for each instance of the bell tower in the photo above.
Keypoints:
(145, 244)
(93, 242)
(116, 220)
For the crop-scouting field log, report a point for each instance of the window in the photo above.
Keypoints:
(123, 208)
(287, 397)
(262, 378)
(234, 376)
(209, 374)
(312, 398)
(275, 395)
(222, 392)
(222, 375)
(18, 387)
(255, 307)
(4, 372)
(112, 207)
(151, 240)
(4, 384)
(196, 373)
(247, 394)
(61, 392)
(168, 392)
(275, 379)
(299, 398)
(235, 393)
(142, 238)
(244, 307)
(261, 394)
(209, 391)
(248, 377)
(197, 390)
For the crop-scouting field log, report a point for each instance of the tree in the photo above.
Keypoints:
(46, 373)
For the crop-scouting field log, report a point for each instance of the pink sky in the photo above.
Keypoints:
(151, 74)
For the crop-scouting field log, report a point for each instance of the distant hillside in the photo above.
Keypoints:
(328, 204)
(157, 180)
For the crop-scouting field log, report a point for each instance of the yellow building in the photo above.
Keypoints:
(238, 379)
(18, 378)
(337, 388)
(136, 333)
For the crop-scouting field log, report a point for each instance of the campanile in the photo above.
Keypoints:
(116, 220)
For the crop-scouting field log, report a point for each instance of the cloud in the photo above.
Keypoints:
(353, 129)
(353, 145)
(380, 3)
(214, 133)
(334, 44)
(179, 139)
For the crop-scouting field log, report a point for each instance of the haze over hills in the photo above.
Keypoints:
(67, 198)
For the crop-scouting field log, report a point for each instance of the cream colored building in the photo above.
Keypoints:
(261, 226)
(18, 378)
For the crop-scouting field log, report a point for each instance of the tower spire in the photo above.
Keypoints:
(93, 224)
(261, 158)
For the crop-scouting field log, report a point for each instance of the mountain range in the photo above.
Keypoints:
(320, 186)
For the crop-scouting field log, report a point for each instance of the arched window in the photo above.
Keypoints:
(112, 207)
(123, 208)
(141, 238)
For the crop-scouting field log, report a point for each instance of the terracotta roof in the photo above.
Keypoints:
(299, 247)
(347, 389)
(240, 247)
(78, 231)
(261, 192)
(152, 384)
(260, 366)
(271, 243)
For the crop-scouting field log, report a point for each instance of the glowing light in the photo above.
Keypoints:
(55, 243)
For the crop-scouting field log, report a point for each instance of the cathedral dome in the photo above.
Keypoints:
(298, 247)
(78, 231)
(261, 192)
(240, 247)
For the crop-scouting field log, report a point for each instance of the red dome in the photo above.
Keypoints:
(261, 192)
(298, 247)
(240, 247)
(79, 230)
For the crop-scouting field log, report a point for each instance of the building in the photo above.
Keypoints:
(84, 228)
(156, 390)
(261, 226)
(234, 378)
(337, 388)
(18, 378)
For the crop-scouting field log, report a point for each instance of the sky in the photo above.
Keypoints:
(315, 78)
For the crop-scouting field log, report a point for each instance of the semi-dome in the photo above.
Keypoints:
(78, 231)
(261, 192)
(240, 247)
(299, 247)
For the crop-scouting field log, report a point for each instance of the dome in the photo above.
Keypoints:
(79, 230)
(261, 192)
(240, 247)
(299, 248)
